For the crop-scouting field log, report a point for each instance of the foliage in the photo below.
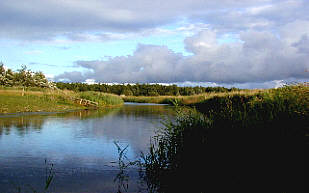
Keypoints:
(23, 77)
(142, 89)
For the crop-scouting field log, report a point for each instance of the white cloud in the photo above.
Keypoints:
(258, 57)
(271, 37)
(90, 81)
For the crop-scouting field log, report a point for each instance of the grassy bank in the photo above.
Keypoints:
(187, 100)
(239, 143)
(103, 99)
(258, 108)
(14, 100)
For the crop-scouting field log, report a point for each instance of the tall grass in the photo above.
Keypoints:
(103, 99)
(286, 103)
(186, 100)
(237, 141)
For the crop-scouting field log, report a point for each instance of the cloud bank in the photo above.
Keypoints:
(270, 37)
(258, 56)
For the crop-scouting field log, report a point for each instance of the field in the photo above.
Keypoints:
(14, 100)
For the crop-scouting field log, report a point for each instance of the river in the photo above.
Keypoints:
(78, 146)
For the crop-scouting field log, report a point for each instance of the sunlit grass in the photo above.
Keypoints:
(12, 101)
(187, 100)
(103, 99)
(49, 100)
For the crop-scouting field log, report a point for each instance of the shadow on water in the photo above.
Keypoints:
(34, 121)
(23, 123)
(226, 154)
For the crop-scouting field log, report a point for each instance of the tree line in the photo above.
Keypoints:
(23, 77)
(26, 78)
(141, 89)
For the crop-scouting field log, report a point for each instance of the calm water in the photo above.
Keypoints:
(80, 145)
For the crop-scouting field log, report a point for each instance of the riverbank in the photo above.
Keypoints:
(204, 102)
(189, 100)
(233, 140)
(15, 100)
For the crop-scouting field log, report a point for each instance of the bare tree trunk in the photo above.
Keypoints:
(23, 93)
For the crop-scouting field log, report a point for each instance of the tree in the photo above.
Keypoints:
(126, 92)
(9, 78)
(2, 74)
(40, 80)
(24, 78)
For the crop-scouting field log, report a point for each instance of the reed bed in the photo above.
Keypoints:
(103, 99)
(187, 100)
(229, 140)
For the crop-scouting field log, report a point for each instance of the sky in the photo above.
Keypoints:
(240, 43)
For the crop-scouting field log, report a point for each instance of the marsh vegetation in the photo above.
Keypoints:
(237, 143)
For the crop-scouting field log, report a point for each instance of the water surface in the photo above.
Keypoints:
(80, 145)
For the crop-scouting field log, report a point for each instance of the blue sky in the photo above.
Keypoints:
(54, 57)
(248, 44)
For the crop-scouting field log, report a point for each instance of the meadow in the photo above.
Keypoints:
(15, 100)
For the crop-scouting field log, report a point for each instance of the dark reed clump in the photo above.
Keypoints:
(238, 143)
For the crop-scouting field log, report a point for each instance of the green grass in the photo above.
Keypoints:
(103, 99)
(187, 100)
(48, 100)
(273, 104)
(12, 101)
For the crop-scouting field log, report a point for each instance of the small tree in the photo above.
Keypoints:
(40, 80)
(9, 77)
(24, 78)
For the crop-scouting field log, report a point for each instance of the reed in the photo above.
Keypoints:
(205, 147)
(187, 100)
(103, 99)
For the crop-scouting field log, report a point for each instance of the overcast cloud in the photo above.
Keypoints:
(37, 19)
(270, 44)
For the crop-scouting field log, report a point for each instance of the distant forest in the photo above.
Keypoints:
(27, 78)
(142, 89)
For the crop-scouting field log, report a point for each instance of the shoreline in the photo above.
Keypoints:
(17, 114)
(14, 101)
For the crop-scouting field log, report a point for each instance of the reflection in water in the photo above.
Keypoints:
(80, 144)
(21, 124)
